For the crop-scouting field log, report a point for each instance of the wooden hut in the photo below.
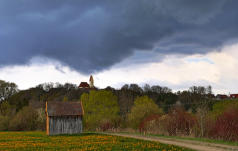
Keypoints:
(64, 117)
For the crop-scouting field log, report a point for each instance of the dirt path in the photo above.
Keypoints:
(196, 145)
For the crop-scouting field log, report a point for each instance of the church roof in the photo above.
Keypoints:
(58, 108)
(84, 85)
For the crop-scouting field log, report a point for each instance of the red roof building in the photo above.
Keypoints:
(84, 85)
(221, 96)
(234, 96)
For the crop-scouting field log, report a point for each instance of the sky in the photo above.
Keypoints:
(173, 43)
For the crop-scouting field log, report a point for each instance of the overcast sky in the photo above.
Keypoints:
(174, 43)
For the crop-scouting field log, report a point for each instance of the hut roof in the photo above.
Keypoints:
(57, 108)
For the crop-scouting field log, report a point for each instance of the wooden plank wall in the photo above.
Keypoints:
(65, 125)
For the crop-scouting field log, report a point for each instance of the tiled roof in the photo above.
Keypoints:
(84, 85)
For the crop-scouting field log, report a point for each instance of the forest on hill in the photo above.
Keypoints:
(151, 109)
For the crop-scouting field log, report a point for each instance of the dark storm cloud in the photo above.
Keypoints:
(95, 34)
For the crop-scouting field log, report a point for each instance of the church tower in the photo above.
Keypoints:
(91, 82)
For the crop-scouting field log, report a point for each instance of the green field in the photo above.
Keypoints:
(86, 141)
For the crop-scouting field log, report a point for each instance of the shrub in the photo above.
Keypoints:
(226, 125)
(105, 125)
(220, 107)
(25, 119)
(150, 124)
(143, 107)
(41, 120)
(179, 122)
(163, 124)
(4, 122)
(6, 109)
(204, 122)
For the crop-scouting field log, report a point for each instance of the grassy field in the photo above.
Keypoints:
(87, 141)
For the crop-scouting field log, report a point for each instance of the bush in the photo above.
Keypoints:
(179, 122)
(220, 107)
(150, 124)
(143, 107)
(26, 119)
(41, 121)
(4, 122)
(6, 109)
(226, 126)
(105, 125)
(163, 124)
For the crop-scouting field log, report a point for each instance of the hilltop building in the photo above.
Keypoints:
(91, 82)
(234, 96)
(85, 85)
(64, 117)
(224, 96)
(221, 96)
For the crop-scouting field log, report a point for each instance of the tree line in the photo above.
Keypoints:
(147, 109)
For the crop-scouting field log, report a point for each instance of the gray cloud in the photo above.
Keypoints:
(93, 35)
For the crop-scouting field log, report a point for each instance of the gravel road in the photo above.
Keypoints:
(196, 145)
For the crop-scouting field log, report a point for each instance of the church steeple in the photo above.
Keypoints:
(91, 82)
